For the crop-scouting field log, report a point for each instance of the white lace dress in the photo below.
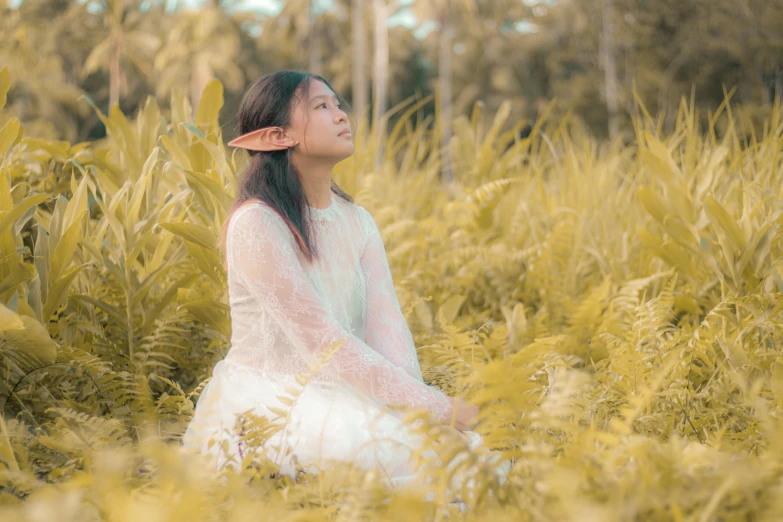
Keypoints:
(283, 312)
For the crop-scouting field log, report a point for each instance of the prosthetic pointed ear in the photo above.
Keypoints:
(266, 139)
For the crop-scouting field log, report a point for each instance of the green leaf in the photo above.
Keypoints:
(20, 208)
(760, 242)
(679, 230)
(210, 103)
(10, 320)
(212, 187)
(116, 314)
(138, 191)
(192, 232)
(58, 291)
(195, 130)
(14, 278)
(654, 204)
(65, 249)
(114, 224)
(32, 341)
(180, 156)
(8, 134)
(168, 297)
(211, 313)
(6, 199)
(723, 221)
(128, 140)
(152, 279)
(207, 260)
(5, 85)
(424, 314)
(78, 203)
(776, 380)
(449, 309)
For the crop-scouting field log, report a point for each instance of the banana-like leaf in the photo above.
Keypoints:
(210, 103)
(192, 232)
(449, 309)
(211, 313)
(8, 134)
(116, 314)
(7, 219)
(166, 300)
(58, 292)
(725, 223)
(654, 204)
(180, 156)
(29, 344)
(10, 320)
(15, 278)
(66, 247)
(5, 85)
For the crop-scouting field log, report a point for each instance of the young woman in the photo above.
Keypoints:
(307, 268)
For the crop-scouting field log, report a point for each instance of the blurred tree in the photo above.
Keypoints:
(380, 75)
(479, 32)
(610, 73)
(588, 54)
(126, 37)
(594, 55)
(199, 45)
(44, 90)
(358, 47)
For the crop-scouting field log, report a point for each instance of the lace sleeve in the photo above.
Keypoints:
(261, 252)
(387, 329)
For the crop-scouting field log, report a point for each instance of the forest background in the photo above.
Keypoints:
(587, 55)
(581, 204)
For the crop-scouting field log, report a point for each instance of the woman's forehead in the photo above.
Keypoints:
(318, 92)
(319, 89)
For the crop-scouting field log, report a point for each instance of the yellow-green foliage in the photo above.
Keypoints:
(615, 311)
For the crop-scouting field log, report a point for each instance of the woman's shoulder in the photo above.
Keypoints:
(360, 212)
(255, 211)
(253, 203)
(367, 224)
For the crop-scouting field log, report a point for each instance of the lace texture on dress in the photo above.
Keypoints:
(284, 310)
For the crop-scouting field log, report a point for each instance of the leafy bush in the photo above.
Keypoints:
(615, 312)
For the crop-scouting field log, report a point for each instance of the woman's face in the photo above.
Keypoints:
(317, 122)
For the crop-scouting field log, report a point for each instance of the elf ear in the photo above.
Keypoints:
(265, 139)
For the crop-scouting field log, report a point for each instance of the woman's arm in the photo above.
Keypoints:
(261, 252)
(386, 327)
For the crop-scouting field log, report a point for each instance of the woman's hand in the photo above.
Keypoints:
(466, 415)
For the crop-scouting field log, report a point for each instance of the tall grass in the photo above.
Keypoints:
(615, 311)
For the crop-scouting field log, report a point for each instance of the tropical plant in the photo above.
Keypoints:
(615, 312)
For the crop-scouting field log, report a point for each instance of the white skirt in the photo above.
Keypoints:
(327, 422)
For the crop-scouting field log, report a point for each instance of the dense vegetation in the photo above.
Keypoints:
(588, 56)
(615, 311)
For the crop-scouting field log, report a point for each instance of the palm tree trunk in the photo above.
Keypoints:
(444, 83)
(610, 74)
(359, 37)
(114, 74)
(314, 44)
(380, 76)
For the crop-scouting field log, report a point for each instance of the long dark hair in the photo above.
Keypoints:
(271, 177)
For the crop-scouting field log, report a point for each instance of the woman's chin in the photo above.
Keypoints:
(349, 150)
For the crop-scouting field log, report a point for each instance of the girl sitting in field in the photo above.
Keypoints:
(307, 270)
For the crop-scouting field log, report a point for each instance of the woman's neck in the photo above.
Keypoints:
(317, 182)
